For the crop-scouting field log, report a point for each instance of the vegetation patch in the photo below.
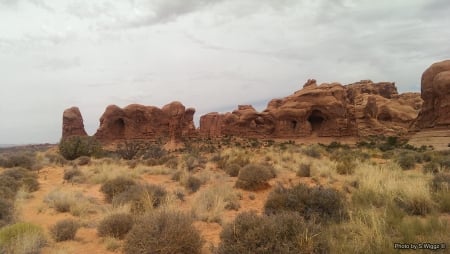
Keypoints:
(22, 238)
(255, 176)
(115, 225)
(64, 230)
(163, 232)
(281, 233)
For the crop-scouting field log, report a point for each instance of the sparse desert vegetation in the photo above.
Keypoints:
(227, 198)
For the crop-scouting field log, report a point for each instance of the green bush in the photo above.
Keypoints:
(77, 146)
(142, 198)
(64, 230)
(116, 186)
(6, 212)
(163, 232)
(154, 152)
(304, 170)
(115, 225)
(21, 238)
(255, 176)
(315, 203)
(406, 160)
(281, 233)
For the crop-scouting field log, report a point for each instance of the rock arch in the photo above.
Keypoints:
(316, 119)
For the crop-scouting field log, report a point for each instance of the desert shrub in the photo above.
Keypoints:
(57, 159)
(312, 151)
(315, 203)
(22, 238)
(115, 225)
(68, 201)
(163, 232)
(154, 152)
(142, 198)
(414, 205)
(281, 233)
(255, 176)
(64, 230)
(345, 167)
(130, 150)
(19, 160)
(191, 162)
(442, 198)
(73, 175)
(10, 184)
(77, 146)
(441, 181)
(172, 163)
(304, 170)
(430, 167)
(211, 202)
(116, 186)
(192, 183)
(15, 178)
(232, 169)
(406, 160)
(83, 160)
(6, 212)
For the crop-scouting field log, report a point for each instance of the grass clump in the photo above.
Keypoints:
(64, 230)
(313, 151)
(255, 176)
(66, 201)
(116, 186)
(211, 202)
(22, 238)
(192, 183)
(115, 225)
(142, 198)
(163, 232)
(315, 203)
(73, 175)
(281, 233)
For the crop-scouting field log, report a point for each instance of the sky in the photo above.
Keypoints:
(209, 54)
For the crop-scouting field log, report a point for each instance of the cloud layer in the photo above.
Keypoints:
(207, 54)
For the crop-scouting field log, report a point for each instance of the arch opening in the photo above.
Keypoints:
(294, 124)
(118, 127)
(316, 120)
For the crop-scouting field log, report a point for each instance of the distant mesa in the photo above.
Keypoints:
(359, 109)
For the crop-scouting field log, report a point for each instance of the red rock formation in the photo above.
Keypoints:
(436, 97)
(138, 122)
(359, 109)
(72, 123)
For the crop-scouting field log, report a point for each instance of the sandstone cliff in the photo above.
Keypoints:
(327, 110)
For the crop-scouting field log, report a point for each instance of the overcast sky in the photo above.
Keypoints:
(208, 54)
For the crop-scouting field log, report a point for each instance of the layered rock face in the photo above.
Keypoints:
(327, 110)
(435, 90)
(72, 123)
(136, 121)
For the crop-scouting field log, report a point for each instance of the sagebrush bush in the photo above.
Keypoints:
(22, 238)
(345, 167)
(313, 151)
(315, 203)
(255, 176)
(406, 160)
(64, 230)
(83, 160)
(115, 225)
(77, 146)
(192, 183)
(73, 175)
(304, 170)
(142, 198)
(24, 160)
(232, 169)
(116, 186)
(281, 233)
(12, 179)
(6, 212)
(163, 232)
